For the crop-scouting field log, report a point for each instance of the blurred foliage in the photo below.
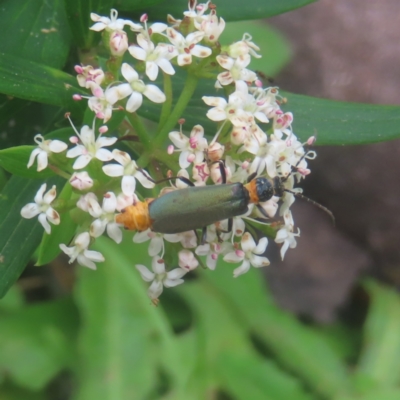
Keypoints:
(214, 337)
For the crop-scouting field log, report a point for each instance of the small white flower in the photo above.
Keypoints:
(186, 47)
(286, 235)
(159, 278)
(248, 255)
(282, 123)
(245, 46)
(211, 26)
(188, 239)
(212, 251)
(44, 149)
(83, 202)
(154, 57)
(192, 149)
(135, 89)
(105, 217)
(90, 147)
(81, 180)
(42, 207)
(88, 76)
(187, 260)
(236, 69)
(156, 241)
(101, 103)
(80, 252)
(129, 172)
(111, 24)
(233, 109)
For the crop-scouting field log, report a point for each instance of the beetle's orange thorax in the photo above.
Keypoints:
(135, 217)
(252, 189)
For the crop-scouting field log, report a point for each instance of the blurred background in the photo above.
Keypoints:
(348, 51)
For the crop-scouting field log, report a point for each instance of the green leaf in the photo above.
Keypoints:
(378, 394)
(379, 360)
(124, 338)
(342, 123)
(15, 160)
(36, 31)
(37, 342)
(224, 357)
(293, 344)
(78, 12)
(19, 237)
(249, 377)
(49, 248)
(132, 5)
(334, 122)
(32, 81)
(229, 10)
(274, 47)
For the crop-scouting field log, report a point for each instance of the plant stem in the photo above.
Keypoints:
(184, 98)
(140, 129)
(167, 105)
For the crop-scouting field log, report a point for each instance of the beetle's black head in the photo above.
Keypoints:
(265, 189)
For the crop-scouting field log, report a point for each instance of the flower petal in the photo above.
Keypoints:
(134, 102)
(146, 274)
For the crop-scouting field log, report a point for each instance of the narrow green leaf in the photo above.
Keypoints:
(379, 360)
(230, 10)
(36, 31)
(334, 122)
(133, 5)
(249, 377)
(377, 394)
(78, 12)
(15, 161)
(119, 360)
(342, 123)
(19, 237)
(32, 81)
(224, 357)
(42, 334)
(49, 248)
(297, 347)
(9, 107)
(274, 48)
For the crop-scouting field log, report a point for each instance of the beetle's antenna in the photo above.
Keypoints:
(323, 208)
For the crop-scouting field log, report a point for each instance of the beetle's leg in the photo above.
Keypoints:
(229, 229)
(182, 178)
(222, 170)
(251, 177)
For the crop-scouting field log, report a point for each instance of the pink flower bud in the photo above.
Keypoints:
(77, 97)
(118, 43)
(78, 69)
(311, 140)
(170, 149)
(144, 18)
(81, 180)
(74, 139)
(103, 129)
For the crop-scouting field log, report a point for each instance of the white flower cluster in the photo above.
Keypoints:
(255, 131)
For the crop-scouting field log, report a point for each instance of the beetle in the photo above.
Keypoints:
(197, 207)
